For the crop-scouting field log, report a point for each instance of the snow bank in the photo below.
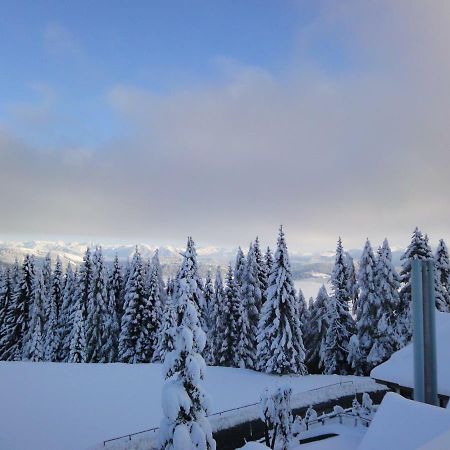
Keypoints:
(51, 406)
(399, 368)
(404, 424)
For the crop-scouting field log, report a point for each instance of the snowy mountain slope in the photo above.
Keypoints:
(51, 406)
(304, 265)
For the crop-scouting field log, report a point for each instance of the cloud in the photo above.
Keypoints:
(35, 113)
(60, 41)
(357, 152)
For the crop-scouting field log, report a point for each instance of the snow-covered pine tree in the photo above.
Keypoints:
(268, 257)
(209, 294)
(250, 297)
(152, 316)
(189, 265)
(280, 342)
(47, 276)
(116, 287)
(355, 358)
(51, 332)
(98, 319)
(169, 287)
(15, 274)
(36, 349)
(262, 272)
(131, 325)
(340, 323)
(185, 404)
(417, 249)
(387, 284)
(67, 312)
(77, 348)
(369, 308)
(443, 276)
(165, 342)
(37, 311)
(352, 282)
(228, 324)
(57, 286)
(84, 282)
(5, 306)
(303, 314)
(239, 267)
(316, 331)
(216, 315)
(156, 264)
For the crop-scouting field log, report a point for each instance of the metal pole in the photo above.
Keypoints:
(429, 324)
(416, 292)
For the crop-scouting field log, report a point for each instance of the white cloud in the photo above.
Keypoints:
(364, 152)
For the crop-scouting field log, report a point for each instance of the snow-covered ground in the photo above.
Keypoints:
(51, 406)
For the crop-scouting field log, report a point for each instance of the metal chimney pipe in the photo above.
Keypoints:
(417, 304)
(424, 331)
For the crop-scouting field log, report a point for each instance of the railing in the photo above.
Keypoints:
(129, 436)
(345, 413)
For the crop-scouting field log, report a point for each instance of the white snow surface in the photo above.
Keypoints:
(399, 368)
(57, 406)
(403, 424)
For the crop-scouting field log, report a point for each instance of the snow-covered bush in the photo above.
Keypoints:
(276, 413)
(310, 416)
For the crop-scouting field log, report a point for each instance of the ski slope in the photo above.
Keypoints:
(57, 406)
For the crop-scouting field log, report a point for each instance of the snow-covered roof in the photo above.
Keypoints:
(400, 367)
(403, 424)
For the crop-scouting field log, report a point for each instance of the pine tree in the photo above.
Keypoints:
(116, 287)
(77, 349)
(280, 342)
(67, 312)
(5, 307)
(369, 305)
(228, 324)
(303, 313)
(84, 282)
(250, 297)
(316, 332)
(132, 324)
(57, 286)
(262, 272)
(340, 323)
(156, 264)
(209, 295)
(152, 316)
(269, 261)
(166, 333)
(98, 319)
(189, 269)
(355, 358)
(443, 275)
(47, 275)
(352, 283)
(387, 284)
(417, 249)
(37, 311)
(185, 425)
(239, 268)
(36, 352)
(51, 333)
(216, 315)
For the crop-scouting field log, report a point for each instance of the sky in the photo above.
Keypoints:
(149, 121)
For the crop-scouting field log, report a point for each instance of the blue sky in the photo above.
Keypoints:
(68, 54)
(146, 121)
